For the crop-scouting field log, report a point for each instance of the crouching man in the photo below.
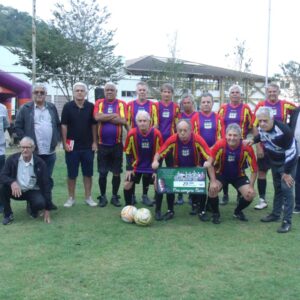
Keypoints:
(25, 177)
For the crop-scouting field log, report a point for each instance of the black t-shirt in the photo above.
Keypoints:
(79, 122)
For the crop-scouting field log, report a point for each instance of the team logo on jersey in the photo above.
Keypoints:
(141, 108)
(166, 114)
(145, 144)
(185, 152)
(231, 158)
(274, 111)
(207, 124)
(110, 109)
(232, 114)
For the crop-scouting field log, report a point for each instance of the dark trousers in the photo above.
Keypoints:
(34, 197)
(49, 160)
(297, 186)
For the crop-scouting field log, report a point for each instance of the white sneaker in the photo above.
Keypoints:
(69, 203)
(261, 204)
(90, 202)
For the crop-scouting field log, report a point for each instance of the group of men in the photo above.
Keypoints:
(156, 131)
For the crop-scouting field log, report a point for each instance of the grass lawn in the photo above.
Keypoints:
(89, 253)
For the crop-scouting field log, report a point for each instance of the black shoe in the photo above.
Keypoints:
(52, 206)
(115, 201)
(102, 201)
(285, 227)
(180, 200)
(168, 215)
(240, 216)
(34, 214)
(133, 200)
(216, 218)
(8, 220)
(270, 218)
(204, 217)
(146, 201)
(224, 200)
(28, 208)
(158, 216)
(193, 212)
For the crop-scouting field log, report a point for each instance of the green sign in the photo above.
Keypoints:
(181, 180)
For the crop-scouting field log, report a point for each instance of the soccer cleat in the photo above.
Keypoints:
(90, 202)
(296, 211)
(270, 218)
(240, 216)
(168, 215)
(102, 201)
(203, 216)
(158, 216)
(69, 203)
(261, 204)
(146, 201)
(8, 220)
(216, 218)
(115, 201)
(285, 227)
(224, 200)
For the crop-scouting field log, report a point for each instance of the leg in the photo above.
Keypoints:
(128, 192)
(263, 167)
(146, 179)
(36, 201)
(297, 189)
(2, 162)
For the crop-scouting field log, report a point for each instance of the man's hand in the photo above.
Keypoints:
(16, 189)
(94, 147)
(129, 175)
(67, 147)
(47, 217)
(214, 187)
(288, 179)
(155, 164)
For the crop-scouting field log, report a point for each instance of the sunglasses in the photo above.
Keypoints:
(39, 92)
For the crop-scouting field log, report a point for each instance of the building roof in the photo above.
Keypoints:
(144, 65)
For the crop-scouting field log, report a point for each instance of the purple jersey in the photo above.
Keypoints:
(186, 155)
(231, 163)
(208, 128)
(233, 114)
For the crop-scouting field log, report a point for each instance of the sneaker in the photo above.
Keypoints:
(90, 202)
(146, 201)
(69, 203)
(261, 204)
(224, 200)
(270, 218)
(285, 227)
(158, 216)
(102, 201)
(115, 201)
(180, 200)
(8, 220)
(216, 218)
(168, 215)
(203, 216)
(240, 216)
(296, 211)
(53, 206)
(34, 214)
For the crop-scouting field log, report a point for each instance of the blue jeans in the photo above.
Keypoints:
(283, 195)
(297, 186)
(50, 162)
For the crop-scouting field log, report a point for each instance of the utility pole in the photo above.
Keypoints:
(33, 42)
(268, 44)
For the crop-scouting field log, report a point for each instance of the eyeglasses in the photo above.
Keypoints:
(25, 147)
(77, 91)
(39, 93)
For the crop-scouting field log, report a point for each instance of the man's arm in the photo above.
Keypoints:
(64, 131)
(19, 124)
(94, 132)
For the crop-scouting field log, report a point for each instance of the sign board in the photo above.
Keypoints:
(181, 180)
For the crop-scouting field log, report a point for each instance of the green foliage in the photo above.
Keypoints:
(75, 46)
(291, 72)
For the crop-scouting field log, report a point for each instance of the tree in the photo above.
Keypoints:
(291, 72)
(239, 58)
(74, 47)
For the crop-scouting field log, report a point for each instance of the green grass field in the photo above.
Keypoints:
(89, 253)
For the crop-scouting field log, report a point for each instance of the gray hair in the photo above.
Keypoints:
(142, 113)
(80, 84)
(235, 127)
(110, 84)
(266, 111)
(28, 139)
(143, 83)
(190, 96)
(273, 85)
(186, 121)
(39, 85)
(235, 86)
(206, 94)
(167, 86)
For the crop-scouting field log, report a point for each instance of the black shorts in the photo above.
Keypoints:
(237, 182)
(264, 164)
(110, 158)
(137, 177)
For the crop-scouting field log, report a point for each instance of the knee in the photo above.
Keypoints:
(103, 175)
(127, 185)
(261, 175)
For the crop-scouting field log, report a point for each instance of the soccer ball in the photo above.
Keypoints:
(127, 213)
(143, 217)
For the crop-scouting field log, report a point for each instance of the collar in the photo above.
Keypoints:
(27, 163)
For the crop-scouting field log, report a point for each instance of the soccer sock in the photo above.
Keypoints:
(202, 202)
(261, 186)
(225, 189)
(242, 204)
(102, 184)
(170, 201)
(214, 204)
(146, 183)
(116, 180)
(158, 201)
(128, 196)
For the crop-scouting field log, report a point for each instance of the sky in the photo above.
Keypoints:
(206, 29)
